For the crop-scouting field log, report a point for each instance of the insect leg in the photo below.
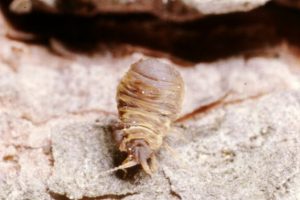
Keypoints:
(146, 167)
(153, 163)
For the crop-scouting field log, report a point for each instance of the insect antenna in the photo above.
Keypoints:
(122, 166)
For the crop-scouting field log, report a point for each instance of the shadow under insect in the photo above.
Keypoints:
(117, 156)
(124, 174)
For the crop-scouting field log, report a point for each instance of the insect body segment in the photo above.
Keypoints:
(149, 99)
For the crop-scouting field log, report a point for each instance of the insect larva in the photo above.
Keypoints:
(149, 99)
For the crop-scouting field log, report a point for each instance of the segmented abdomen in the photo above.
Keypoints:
(149, 98)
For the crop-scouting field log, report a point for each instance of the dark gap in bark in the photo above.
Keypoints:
(205, 39)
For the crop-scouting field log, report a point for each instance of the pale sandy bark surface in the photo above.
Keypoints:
(178, 10)
(54, 111)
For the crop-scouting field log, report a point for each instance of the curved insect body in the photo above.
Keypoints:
(149, 99)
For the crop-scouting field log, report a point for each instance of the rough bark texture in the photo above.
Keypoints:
(178, 10)
(55, 113)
